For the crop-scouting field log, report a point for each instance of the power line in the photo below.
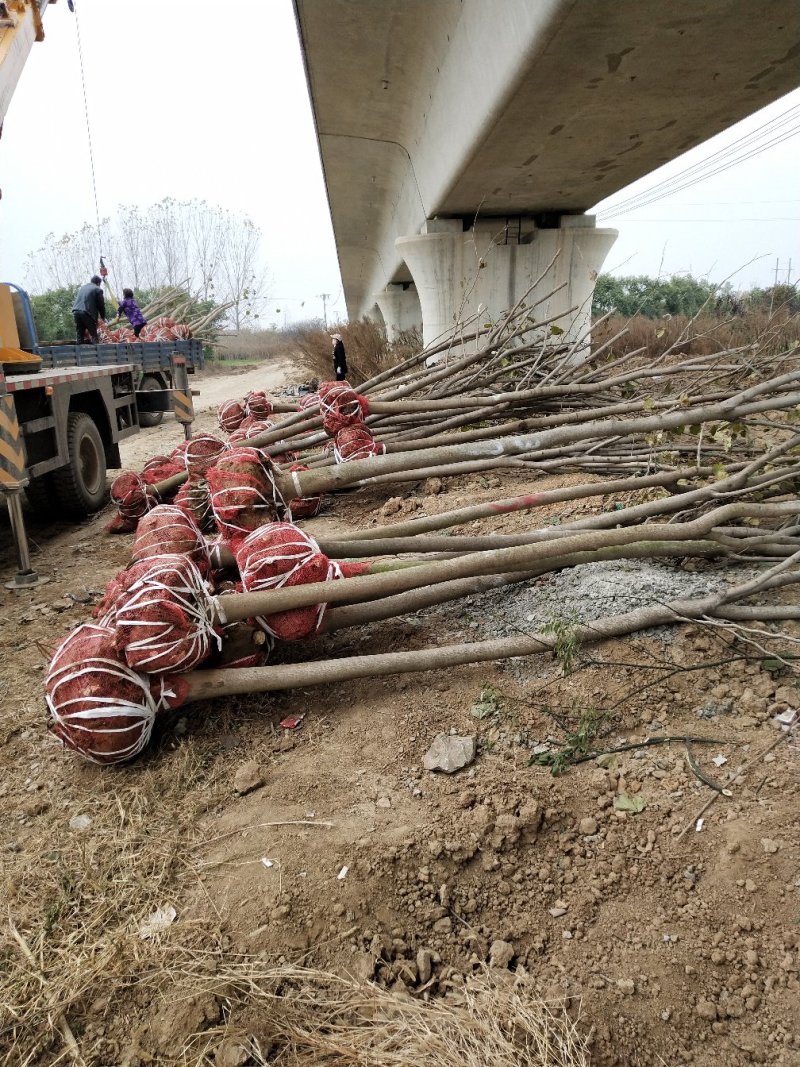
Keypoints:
(645, 202)
(740, 149)
(669, 189)
(730, 218)
(743, 142)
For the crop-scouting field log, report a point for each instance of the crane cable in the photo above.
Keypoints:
(73, 8)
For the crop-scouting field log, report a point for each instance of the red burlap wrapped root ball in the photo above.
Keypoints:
(99, 706)
(201, 453)
(340, 406)
(281, 555)
(308, 401)
(258, 405)
(159, 468)
(170, 530)
(163, 616)
(129, 493)
(179, 453)
(356, 442)
(251, 427)
(243, 493)
(165, 329)
(230, 414)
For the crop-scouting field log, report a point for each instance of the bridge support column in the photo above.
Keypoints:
(400, 308)
(488, 268)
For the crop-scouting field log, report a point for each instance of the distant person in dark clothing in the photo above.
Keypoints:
(89, 306)
(339, 358)
(132, 311)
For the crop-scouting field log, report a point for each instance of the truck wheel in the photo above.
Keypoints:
(150, 418)
(81, 485)
(39, 493)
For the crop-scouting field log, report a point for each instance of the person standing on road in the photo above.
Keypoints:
(89, 306)
(339, 357)
(132, 311)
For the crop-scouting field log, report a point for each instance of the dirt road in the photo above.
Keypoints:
(213, 390)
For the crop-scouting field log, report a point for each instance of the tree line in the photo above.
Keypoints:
(213, 253)
(684, 295)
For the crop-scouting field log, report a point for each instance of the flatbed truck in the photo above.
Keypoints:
(64, 409)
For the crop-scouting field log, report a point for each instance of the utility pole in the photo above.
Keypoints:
(325, 297)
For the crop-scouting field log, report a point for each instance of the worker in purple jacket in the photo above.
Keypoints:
(132, 311)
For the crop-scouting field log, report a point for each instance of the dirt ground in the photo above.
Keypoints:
(672, 940)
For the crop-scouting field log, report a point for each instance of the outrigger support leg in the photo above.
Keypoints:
(26, 576)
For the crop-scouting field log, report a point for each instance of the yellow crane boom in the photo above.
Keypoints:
(20, 28)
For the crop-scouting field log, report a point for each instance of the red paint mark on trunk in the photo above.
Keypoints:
(518, 503)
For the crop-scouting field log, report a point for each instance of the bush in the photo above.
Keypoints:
(368, 352)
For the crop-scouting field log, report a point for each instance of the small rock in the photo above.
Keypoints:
(433, 485)
(383, 802)
(443, 926)
(707, 1009)
(626, 986)
(363, 966)
(501, 954)
(750, 885)
(769, 845)
(424, 965)
(449, 753)
(248, 777)
(392, 506)
(80, 822)
(588, 826)
(787, 694)
(231, 1053)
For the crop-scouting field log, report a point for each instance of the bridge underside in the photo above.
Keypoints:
(454, 109)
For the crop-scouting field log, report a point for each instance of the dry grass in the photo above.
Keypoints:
(250, 346)
(70, 934)
(309, 1018)
(705, 334)
(365, 344)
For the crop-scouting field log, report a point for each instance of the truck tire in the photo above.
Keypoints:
(80, 486)
(39, 493)
(150, 418)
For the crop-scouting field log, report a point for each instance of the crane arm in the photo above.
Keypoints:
(20, 28)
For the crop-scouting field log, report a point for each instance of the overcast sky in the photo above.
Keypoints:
(195, 98)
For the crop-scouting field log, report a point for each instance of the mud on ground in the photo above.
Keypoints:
(674, 941)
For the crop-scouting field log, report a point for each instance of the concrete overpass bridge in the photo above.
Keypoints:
(462, 141)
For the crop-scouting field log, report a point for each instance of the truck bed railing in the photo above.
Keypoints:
(150, 355)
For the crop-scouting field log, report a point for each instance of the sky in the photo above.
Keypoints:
(198, 99)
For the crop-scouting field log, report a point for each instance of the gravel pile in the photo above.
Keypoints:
(582, 594)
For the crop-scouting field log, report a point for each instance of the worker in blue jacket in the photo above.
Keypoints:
(89, 306)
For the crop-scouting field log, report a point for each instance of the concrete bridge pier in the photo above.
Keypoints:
(491, 265)
(400, 308)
